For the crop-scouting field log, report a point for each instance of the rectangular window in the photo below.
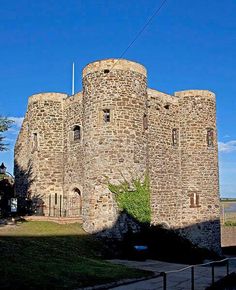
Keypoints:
(106, 115)
(55, 198)
(175, 137)
(210, 138)
(194, 200)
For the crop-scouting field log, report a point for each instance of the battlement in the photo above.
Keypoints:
(51, 96)
(75, 98)
(114, 64)
(195, 93)
(163, 97)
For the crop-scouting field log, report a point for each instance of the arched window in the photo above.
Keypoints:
(77, 133)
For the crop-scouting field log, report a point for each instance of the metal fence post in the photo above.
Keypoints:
(227, 267)
(213, 274)
(164, 280)
(192, 278)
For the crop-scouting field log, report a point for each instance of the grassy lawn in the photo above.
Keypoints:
(46, 255)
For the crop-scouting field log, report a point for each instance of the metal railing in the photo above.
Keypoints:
(193, 267)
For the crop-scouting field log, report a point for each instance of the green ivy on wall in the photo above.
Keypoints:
(134, 198)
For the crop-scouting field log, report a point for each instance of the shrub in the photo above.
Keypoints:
(230, 223)
(134, 198)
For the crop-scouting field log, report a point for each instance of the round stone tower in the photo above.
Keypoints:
(45, 151)
(199, 168)
(114, 137)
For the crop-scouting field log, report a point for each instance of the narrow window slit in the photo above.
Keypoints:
(210, 138)
(145, 122)
(175, 137)
(106, 115)
(194, 200)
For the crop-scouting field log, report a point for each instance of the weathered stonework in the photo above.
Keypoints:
(125, 130)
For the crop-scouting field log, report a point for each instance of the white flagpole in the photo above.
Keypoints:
(73, 78)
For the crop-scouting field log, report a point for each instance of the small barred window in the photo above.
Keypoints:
(106, 115)
(210, 138)
(77, 133)
(194, 200)
(175, 137)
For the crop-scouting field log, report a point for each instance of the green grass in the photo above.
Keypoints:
(46, 255)
(230, 223)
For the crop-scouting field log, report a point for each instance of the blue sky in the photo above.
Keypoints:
(190, 45)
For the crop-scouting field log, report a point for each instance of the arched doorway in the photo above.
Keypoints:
(75, 207)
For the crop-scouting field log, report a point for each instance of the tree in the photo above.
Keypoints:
(5, 124)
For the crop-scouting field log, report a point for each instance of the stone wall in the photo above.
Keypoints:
(228, 236)
(73, 156)
(21, 165)
(164, 159)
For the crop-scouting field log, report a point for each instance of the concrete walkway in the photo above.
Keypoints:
(175, 281)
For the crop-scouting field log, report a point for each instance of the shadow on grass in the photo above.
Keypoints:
(60, 260)
(46, 255)
(50, 256)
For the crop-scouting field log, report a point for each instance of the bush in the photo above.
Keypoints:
(230, 223)
(134, 198)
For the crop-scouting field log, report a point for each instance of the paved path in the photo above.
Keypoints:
(175, 281)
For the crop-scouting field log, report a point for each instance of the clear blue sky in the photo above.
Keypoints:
(190, 45)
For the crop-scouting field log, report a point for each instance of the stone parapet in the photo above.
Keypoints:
(114, 64)
(47, 97)
(162, 96)
(195, 93)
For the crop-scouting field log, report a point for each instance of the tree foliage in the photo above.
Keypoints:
(134, 198)
(5, 124)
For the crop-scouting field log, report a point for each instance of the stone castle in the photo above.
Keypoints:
(69, 145)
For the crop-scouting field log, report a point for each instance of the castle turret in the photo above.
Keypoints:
(114, 138)
(199, 168)
(44, 158)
